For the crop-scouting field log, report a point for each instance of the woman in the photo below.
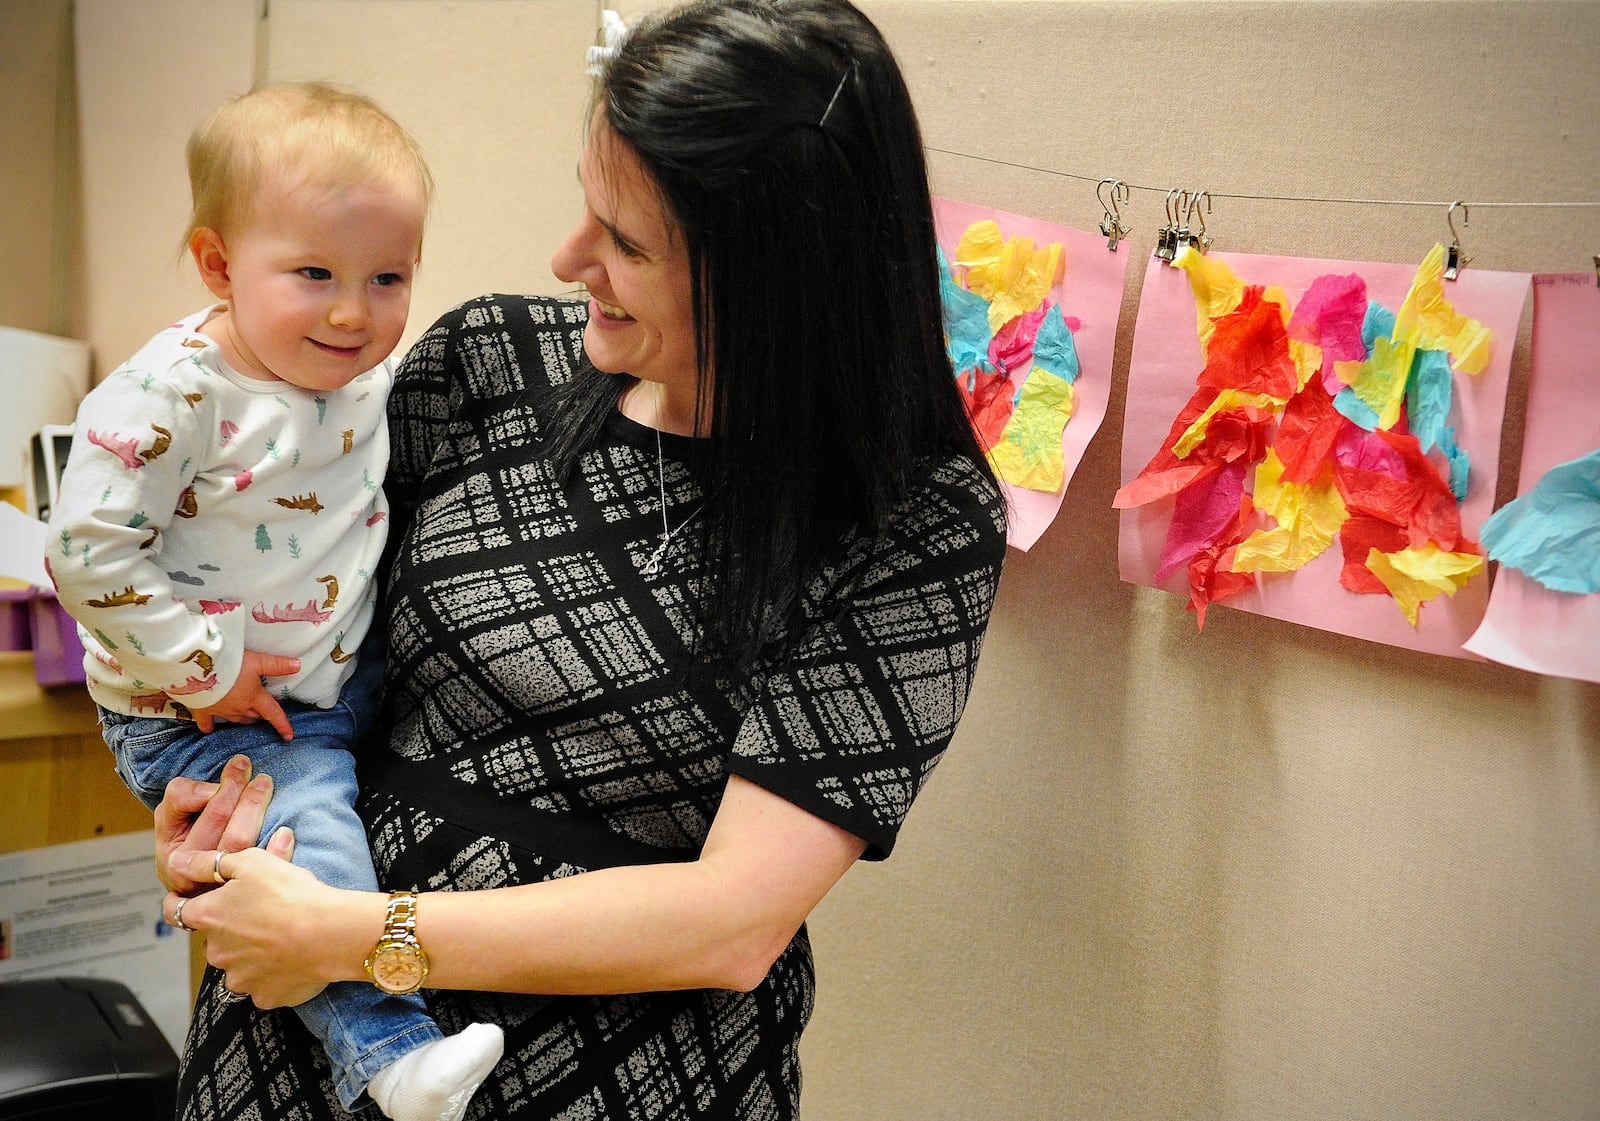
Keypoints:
(688, 592)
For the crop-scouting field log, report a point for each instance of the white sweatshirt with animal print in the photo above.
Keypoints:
(203, 513)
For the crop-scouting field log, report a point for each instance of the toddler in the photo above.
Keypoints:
(221, 519)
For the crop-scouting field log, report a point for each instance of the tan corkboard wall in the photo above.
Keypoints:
(1263, 872)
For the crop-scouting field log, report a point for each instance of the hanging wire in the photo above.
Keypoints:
(1273, 198)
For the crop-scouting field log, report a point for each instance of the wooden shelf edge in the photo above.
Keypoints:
(29, 711)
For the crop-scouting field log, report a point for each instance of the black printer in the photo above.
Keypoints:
(76, 1048)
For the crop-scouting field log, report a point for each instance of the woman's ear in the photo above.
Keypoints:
(211, 258)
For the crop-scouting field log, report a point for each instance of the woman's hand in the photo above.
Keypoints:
(269, 926)
(257, 922)
(199, 816)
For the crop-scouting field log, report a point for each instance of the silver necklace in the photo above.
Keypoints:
(653, 564)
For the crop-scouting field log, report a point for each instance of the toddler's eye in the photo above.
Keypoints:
(385, 279)
(312, 272)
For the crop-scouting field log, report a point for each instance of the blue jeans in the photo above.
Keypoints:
(314, 788)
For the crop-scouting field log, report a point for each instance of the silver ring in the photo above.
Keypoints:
(216, 869)
(227, 995)
(177, 917)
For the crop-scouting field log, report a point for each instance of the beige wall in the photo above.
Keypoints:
(1264, 872)
(494, 91)
(35, 219)
(148, 71)
(1259, 873)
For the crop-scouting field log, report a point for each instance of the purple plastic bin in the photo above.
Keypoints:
(57, 653)
(31, 619)
(16, 631)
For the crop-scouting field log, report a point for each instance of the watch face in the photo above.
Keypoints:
(398, 969)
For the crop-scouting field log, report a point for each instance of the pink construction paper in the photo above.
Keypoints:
(1090, 295)
(1528, 625)
(1161, 378)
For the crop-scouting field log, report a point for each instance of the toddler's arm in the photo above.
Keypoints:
(135, 452)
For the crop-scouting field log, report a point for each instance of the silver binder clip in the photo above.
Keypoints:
(1112, 225)
(1180, 213)
(1196, 239)
(1454, 259)
(1167, 239)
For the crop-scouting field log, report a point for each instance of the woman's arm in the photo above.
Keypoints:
(719, 921)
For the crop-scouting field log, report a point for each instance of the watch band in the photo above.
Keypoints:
(398, 964)
(400, 921)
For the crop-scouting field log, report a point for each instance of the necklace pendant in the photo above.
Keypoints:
(653, 564)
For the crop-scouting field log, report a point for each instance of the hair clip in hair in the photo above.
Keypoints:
(823, 120)
(612, 32)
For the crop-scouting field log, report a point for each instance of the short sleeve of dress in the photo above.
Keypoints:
(850, 728)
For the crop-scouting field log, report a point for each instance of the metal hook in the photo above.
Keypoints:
(1181, 211)
(1112, 225)
(1198, 238)
(1454, 259)
(1101, 199)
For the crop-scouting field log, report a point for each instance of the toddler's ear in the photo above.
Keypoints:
(211, 258)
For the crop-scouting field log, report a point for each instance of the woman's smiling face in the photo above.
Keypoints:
(632, 259)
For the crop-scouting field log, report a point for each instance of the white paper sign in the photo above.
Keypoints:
(22, 546)
(93, 909)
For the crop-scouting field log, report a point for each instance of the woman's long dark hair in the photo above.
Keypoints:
(783, 143)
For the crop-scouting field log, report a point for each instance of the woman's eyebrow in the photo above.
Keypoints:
(605, 224)
(621, 237)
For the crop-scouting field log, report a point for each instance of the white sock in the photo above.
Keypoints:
(435, 1082)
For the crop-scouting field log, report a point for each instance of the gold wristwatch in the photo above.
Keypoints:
(397, 964)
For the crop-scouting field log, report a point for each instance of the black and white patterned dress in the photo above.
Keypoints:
(542, 723)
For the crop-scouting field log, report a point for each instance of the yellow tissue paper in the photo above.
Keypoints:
(1428, 321)
(1308, 515)
(1414, 576)
(1029, 451)
(1226, 399)
(1217, 291)
(1381, 383)
(1010, 273)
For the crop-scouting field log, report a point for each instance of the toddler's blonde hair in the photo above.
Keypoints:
(328, 135)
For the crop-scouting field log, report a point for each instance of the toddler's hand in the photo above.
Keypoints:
(248, 701)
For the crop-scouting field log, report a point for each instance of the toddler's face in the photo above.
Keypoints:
(319, 282)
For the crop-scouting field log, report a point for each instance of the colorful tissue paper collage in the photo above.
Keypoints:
(1315, 440)
(1030, 321)
(1318, 440)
